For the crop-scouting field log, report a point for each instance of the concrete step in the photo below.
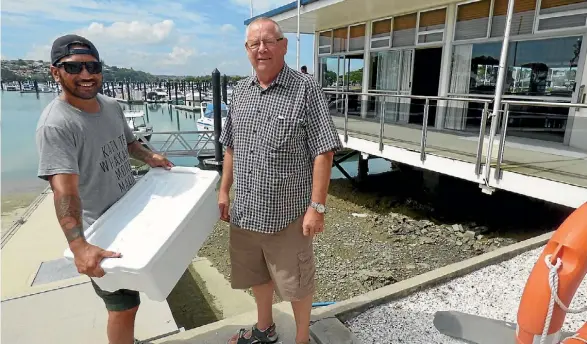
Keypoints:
(219, 332)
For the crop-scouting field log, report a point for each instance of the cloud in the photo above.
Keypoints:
(260, 6)
(134, 32)
(227, 28)
(39, 52)
(181, 37)
(93, 10)
(178, 56)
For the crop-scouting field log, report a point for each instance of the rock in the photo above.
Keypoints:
(395, 229)
(423, 265)
(480, 236)
(427, 240)
(376, 278)
(410, 267)
(458, 228)
(469, 235)
(359, 215)
(459, 243)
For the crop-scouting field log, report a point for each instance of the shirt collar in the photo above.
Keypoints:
(282, 78)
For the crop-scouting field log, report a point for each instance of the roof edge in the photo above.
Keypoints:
(280, 10)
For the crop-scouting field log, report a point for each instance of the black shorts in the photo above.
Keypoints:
(120, 300)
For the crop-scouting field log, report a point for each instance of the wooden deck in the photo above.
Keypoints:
(535, 158)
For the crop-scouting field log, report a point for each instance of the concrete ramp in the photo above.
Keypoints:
(74, 314)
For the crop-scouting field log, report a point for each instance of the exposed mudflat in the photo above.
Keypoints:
(394, 229)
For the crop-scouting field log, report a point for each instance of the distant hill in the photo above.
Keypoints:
(21, 70)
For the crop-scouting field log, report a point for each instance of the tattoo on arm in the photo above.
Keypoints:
(69, 215)
(137, 151)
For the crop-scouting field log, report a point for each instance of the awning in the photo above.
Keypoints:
(318, 15)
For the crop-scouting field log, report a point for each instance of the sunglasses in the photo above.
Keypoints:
(74, 67)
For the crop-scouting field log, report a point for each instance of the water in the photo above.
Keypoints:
(21, 111)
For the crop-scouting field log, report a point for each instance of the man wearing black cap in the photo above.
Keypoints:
(84, 145)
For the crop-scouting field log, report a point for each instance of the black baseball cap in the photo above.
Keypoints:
(61, 48)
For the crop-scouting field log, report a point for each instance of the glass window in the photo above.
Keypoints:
(329, 72)
(385, 69)
(522, 18)
(404, 30)
(432, 20)
(340, 38)
(357, 37)
(325, 42)
(545, 67)
(472, 20)
(381, 34)
(570, 13)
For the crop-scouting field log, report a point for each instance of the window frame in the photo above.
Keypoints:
(424, 33)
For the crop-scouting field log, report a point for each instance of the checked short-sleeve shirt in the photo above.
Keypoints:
(275, 134)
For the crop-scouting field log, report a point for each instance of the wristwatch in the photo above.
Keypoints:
(320, 208)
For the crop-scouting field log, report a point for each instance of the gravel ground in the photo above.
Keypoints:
(392, 230)
(492, 292)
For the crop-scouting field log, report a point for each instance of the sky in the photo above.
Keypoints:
(170, 37)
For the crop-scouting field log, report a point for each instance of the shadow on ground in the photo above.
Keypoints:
(190, 303)
(452, 201)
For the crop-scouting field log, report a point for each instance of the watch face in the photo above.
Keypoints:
(320, 208)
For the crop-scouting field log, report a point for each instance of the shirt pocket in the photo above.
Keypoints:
(284, 134)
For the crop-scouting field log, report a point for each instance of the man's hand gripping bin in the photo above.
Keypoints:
(158, 226)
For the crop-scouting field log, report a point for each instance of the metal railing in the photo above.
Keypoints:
(424, 130)
(177, 143)
(495, 119)
(504, 117)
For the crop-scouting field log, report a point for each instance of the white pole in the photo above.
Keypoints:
(298, 41)
(499, 86)
(252, 68)
(502, 59)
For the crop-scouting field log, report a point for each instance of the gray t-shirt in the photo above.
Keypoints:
(92, 145)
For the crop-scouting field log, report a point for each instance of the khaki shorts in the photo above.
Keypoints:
(285, 257)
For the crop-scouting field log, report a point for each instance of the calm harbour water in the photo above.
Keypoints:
(21, 111)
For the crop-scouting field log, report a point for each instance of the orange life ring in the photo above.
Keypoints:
(562, 265)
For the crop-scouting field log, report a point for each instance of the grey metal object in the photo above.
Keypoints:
(492, 131)
(481, 138)
(424, 130)
(55, 270)
(504, 124)
(346, 118)
(168, 138)
(476, 329)
(501, 72)
(382, 123)
(331, 331)
(387, 94)
(548, 104)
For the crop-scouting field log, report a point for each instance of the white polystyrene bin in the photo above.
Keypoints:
(158, 226)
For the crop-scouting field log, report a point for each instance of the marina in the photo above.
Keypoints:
(441, 110)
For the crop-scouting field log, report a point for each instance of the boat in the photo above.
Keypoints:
(134, 116)
(206, 120)
(158, 94)
(45, 88)
(28, 88)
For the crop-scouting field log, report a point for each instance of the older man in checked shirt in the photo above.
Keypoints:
(280, 143)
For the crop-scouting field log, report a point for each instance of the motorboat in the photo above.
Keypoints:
(28, 88)
(158, 94)
(137, 123)
(206, 120)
